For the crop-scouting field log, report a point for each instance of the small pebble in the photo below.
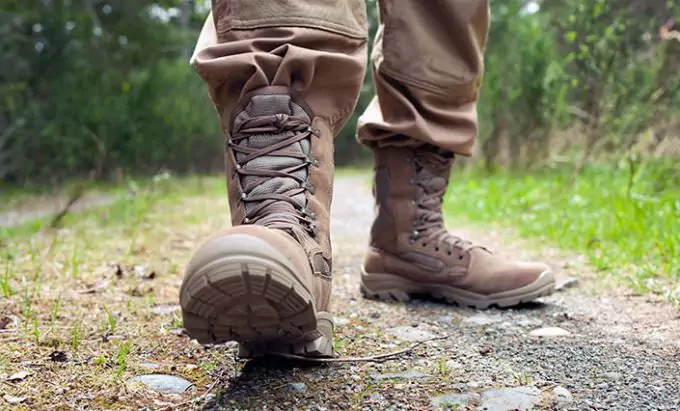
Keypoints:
(614, 376)
(505, 325)
(453, 364)
(296, 387)
(562, 396)
(528, 322)
(149, 365)
(478, 320)
(13, 400)
(410, 333)
(165, 309)
(550, 332)
(376, 398)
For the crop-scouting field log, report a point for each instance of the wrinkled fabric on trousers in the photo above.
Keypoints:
(427, 63)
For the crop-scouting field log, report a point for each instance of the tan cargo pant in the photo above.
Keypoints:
(427, 63)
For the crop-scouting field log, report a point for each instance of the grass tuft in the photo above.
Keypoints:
(628, 227)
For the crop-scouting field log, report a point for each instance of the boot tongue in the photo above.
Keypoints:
(432, 174)
(268, 105)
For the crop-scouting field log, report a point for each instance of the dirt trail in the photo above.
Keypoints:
(591, 346)
(621, 352)
(45, 207)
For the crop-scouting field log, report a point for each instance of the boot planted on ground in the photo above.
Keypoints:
(412, 253)
(266, 281)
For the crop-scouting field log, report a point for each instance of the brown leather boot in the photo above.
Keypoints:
(266, 282)
(412, 253)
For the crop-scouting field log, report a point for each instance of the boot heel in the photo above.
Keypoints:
(386, 287)
(249, 299)
(318, 344)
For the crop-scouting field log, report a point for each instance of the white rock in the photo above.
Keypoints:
(478, 319)
(550, 332)
(410, 333)
(14, 400)
(163, 383)
(519, 398)
(19, 376)
(562, 396)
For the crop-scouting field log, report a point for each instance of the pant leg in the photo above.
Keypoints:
(427, 71)
(316, 47)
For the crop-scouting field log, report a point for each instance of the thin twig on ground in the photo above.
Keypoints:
(77, 195)
(373, 358)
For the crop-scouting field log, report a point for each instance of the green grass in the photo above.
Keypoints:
(123, 203)
(132, 197)
(627, 227)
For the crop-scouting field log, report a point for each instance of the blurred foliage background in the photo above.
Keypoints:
(104, 88)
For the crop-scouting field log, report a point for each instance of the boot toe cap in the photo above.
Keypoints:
(252, 241)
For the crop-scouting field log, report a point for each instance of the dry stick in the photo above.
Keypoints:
(77, 195)
(374, 358)
(79, 191)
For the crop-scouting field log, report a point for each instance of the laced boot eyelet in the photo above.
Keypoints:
(460, 257)
(436, 249)
(311, 189)
(246, 220)
(413, 238)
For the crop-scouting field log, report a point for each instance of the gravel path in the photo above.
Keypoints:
(49, 207)
(591, 346)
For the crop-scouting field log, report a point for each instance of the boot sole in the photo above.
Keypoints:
(382, 286)
(256, 301)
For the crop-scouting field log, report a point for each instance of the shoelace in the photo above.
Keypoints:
(268, 208)
(429, 223)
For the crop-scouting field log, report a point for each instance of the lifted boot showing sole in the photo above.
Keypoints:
(266, 282)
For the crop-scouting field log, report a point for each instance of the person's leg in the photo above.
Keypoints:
(284, 77)
(427, 71)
